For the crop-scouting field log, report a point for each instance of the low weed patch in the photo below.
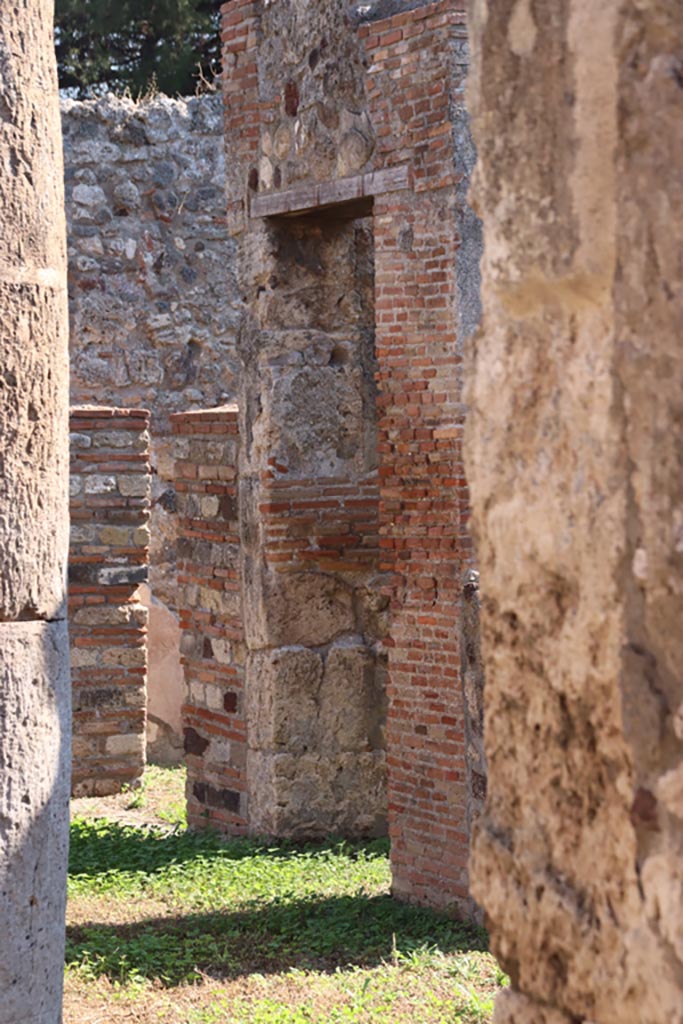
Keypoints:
(167, 925)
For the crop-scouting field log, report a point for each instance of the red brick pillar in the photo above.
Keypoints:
(239, 19)
(422, 486)
(110, 478)
(210, 609)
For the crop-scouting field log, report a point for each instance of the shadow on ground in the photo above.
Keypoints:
(271, 933)
(99, 846)
(319, 935)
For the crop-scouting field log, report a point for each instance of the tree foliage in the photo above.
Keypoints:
(136, 45)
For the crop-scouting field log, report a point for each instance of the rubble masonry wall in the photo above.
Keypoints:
(153, 309)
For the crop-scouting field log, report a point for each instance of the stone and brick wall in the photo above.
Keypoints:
(153, 307)
(315, 612)
(110, 481)
(153, 300)
(313, 606)
(276, 736)
(211, 620)
(312, 149)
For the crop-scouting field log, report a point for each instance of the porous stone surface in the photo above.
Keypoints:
(34, 368)
(35, 733)
(514, 1008)
(306, 700)
(312, 77)
(34, 650)
(576, 477)
(153, 299)
(318, 795)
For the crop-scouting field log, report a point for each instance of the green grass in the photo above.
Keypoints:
(159, 792)
(189, 928)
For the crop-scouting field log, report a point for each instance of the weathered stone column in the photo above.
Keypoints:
(34, 675)
(575, 465)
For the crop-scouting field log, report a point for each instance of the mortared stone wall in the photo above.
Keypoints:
(154, 309)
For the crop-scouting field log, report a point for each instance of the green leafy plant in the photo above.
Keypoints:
(137, 795)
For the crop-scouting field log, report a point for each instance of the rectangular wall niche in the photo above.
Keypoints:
(281, 608)
(314, 613)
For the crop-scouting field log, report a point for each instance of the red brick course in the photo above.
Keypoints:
(108, 556)
(210, 610)
(423, 492)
